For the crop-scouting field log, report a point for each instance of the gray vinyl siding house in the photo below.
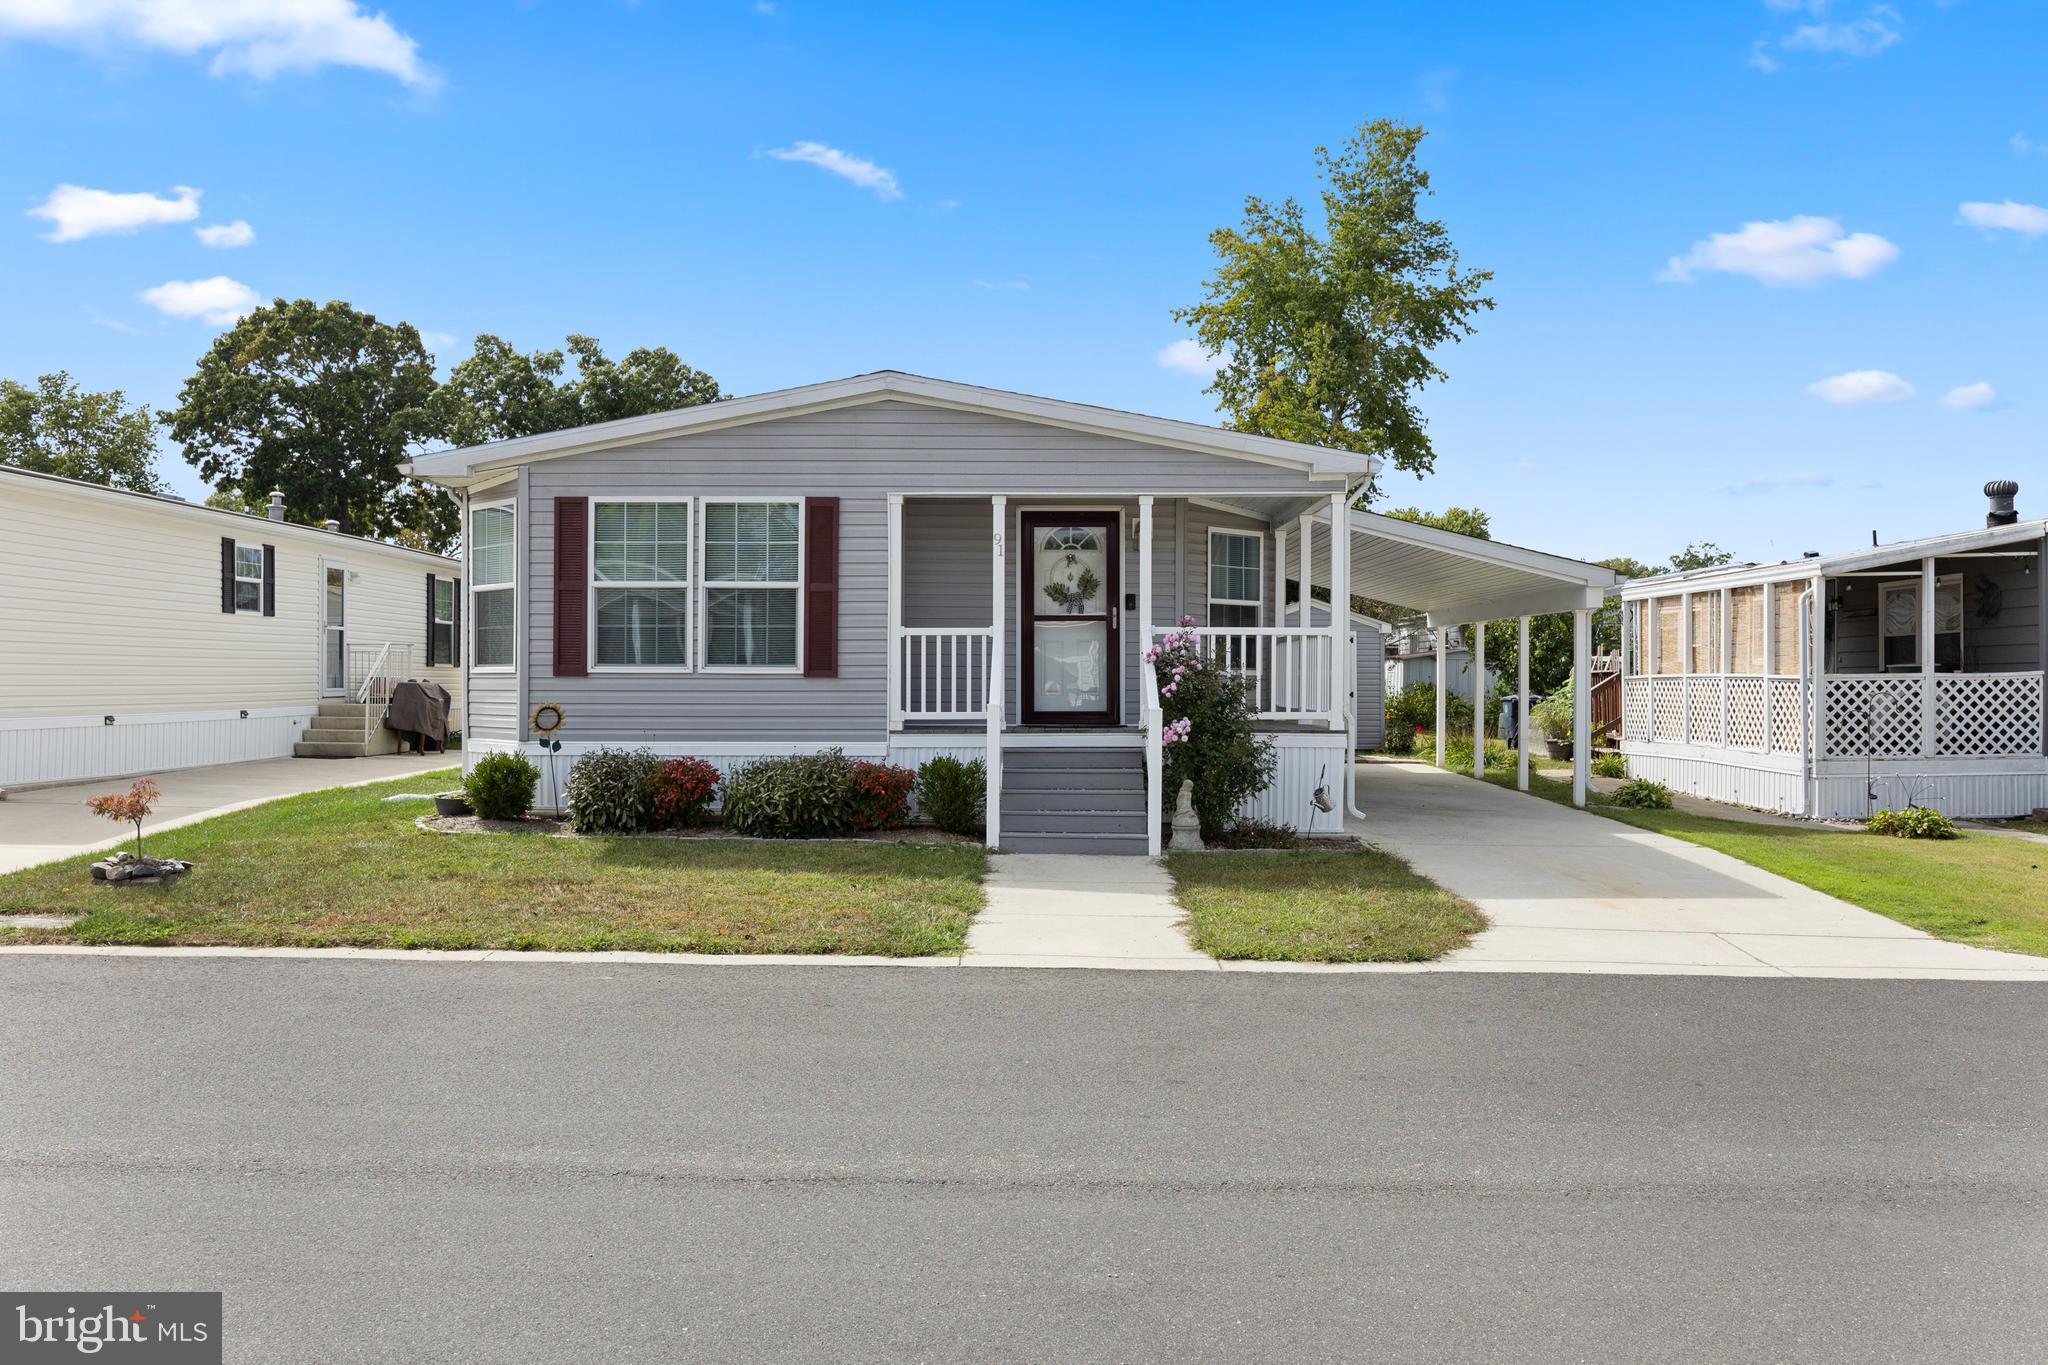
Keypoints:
(853, 564)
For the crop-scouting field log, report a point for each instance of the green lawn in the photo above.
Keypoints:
(1363, 906)
(1986, 890)
(344, 868)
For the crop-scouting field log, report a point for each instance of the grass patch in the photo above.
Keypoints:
(343, 868)
(1984, 890)
(1363, 906)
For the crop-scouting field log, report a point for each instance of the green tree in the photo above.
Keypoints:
(59, 428)
(232, 499)
(324, 402)
(1466, 521)
(1328, 337)
(1703, 554)
(499, 393)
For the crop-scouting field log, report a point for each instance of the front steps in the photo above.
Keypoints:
(1074, 800)
(337, 732)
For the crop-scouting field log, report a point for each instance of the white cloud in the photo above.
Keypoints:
(2022, 145)
(1772, 483)
(1864, 37)
(1433, 88)
(858, 170)
(2029, 219)
(79, 212)
(218, 300)
(1966, 396)
(1189, 357)
(261, 38)
(1862, 386)
(1799, 250)
(237, 233)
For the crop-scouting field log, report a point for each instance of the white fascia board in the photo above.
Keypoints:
(1793, 570)
(1497, 552)
(454, 467)
(1525, 604)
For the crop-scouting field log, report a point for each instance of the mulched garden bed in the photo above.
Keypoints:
(557, 828)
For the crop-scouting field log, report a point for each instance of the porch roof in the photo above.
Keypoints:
(2026, 534)
(1453, 579)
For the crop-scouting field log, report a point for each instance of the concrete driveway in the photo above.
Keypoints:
(43, 824)
(1569, 891)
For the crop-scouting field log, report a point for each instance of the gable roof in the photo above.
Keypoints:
(459, 468)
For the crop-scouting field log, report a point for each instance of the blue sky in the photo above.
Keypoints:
(1019, 198)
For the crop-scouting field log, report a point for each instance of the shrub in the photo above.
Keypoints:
(500, 786)
(1642, 794)
(679, 791)
(1398, 741)
(1552, 716)
(808, 796)
(1610, 765)
(1914, 822)
(608, 791)
(1208, 738)
(953, 795)
(1250, 833)
(1413, 708)
(881, 796)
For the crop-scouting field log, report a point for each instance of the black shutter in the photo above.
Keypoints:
(431, 660)
(270, 580)
(455, 630)
(227, 575)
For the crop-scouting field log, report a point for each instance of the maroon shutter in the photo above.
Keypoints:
(821, 587)
(572, 574)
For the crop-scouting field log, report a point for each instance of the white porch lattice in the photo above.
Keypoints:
(1987, 715)
(1877, 716)
(1703, 709)
(1786, 699)
(1667, 708)
(1746, 693)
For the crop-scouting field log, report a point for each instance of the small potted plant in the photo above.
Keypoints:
(1553, 720)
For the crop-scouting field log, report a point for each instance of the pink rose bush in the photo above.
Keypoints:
(1207, 737)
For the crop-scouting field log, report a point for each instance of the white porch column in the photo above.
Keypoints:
(1479, 699)
(1582, 702)
(1343, 658)
(1440, 632)
(997, 695)
(1770, 663)
(1927, 704)
(1144, 573)
(1279, 575)
(895, 669)
(1522, 704)
(1304, 531)
(1724, 646)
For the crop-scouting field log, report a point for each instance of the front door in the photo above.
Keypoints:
(1070, 617)
(333, 628)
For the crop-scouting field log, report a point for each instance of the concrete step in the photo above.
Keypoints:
(1073, 822)
(321, 733)
(1121, 801)
(352, 710)
(319, 749)
(1120, 844)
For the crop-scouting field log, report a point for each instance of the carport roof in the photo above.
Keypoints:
(1452, 579)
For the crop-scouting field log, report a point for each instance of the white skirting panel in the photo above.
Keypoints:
(912, 751)
(1759, 788)
(83, 748)
(1306, 761)
(1992, 794)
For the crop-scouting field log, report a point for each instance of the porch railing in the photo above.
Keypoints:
(942, 674)
(373, 671)
(1287, 667)
(1863, 715)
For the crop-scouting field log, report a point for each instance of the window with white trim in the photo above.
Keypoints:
(1236, 578)
(640, 584)
(441, 649)
(248, 577)
(491, 588)
(1899, 625)
(753, 553)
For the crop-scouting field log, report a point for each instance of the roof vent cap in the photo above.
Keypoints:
(2001, 493)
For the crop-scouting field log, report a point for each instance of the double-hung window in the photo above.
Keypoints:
(1236, 579)
(752, 554)
(492, 609)
(640, 572)
(248, 577)
(1899, 622)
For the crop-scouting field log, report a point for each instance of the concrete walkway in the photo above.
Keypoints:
(1065, 910)
(44, 824)
(1573, 892)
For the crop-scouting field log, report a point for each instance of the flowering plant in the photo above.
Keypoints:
(130, 806)
(1207, 737)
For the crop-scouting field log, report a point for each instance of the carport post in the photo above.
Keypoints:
(1479, 700)
(1440, 695)
(1582, 703)
(1522, 704)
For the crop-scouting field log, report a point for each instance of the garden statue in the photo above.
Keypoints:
(1187, 826)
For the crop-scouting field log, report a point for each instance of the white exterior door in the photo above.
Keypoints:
(333, 628)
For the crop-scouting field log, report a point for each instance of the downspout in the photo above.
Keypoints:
(1806, 765)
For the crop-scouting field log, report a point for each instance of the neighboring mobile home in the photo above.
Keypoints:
(903, 567)
(1830, 687)
(146, 633)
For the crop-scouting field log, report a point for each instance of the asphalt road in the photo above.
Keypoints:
(412, 1162)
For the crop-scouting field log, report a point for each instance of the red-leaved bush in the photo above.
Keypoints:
(880, 796)
(129, 806)
(679, 791)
